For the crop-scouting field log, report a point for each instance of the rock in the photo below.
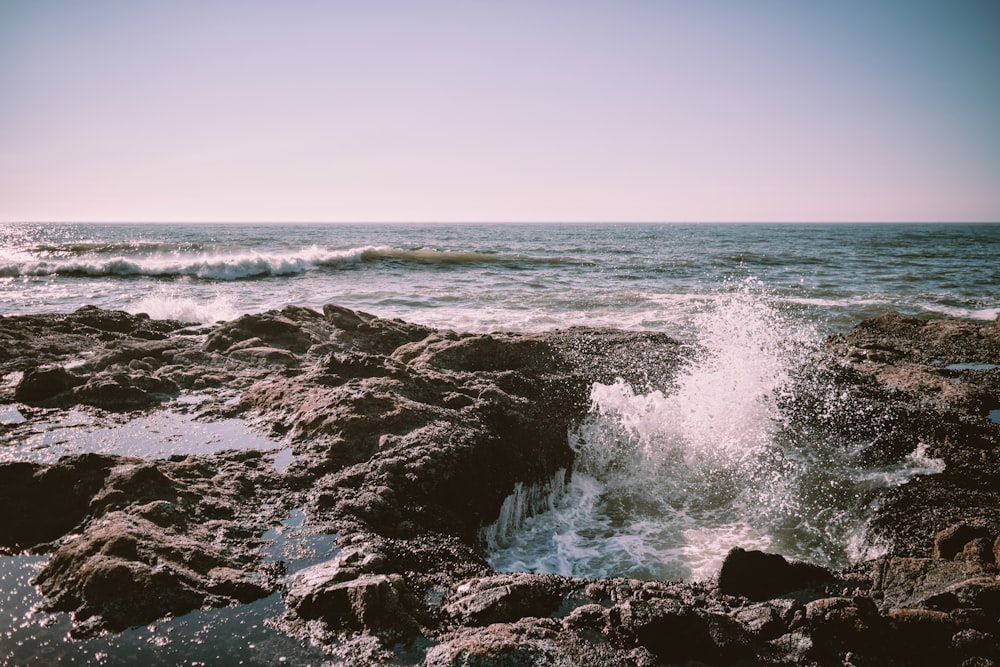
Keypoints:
(922, 635)
(675, 633)
(951, 541)
(129, 572)
(407, 441)
(369, 602)
(41, 384)
(979, 550)
(920, 582)
(762, 576)
(42, 503)
(764, 621)
(119, 391)
(840, 623)
(276, 330)
(505, 598)
(977, 644)
(496, 646)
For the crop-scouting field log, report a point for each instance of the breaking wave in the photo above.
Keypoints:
(159, 261)
(665, 483)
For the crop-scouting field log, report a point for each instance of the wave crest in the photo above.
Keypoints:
(242, 266)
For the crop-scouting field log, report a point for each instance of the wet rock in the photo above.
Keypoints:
(951, 542)
(505, 598)
(496, 646)
(842, 623)
(676, 633)
(977, 646)
(921, 629)
(406, 442)
(129, 571)
(766, 621)
(125, 391)
(368, 602)
(40, 384)
(762, 576)
(42, 503)
(920, 582)
(271, 329)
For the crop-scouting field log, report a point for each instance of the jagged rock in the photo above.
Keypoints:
(407, 440)
(768, 621)
(762, 576)
(505, 598)
(40, 384)
(368, 602)
(42, 503)
(499, 646)
(951, 541)
(271, 329)
(677, 633)
(130, 571)
(842, 623)
(920, 582)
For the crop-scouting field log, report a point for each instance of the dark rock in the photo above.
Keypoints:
(951, 541)
(764, 621)
(977, 644)
(125, 391)
(40, 384)
(979, 550)
(127, 571)
(842, 623)
(920, 636)
(762, 576)
(42, 503)
(505, 598)
(496, 646)
(368, 602)
(676, 633)
(920, 582)
(288, 330)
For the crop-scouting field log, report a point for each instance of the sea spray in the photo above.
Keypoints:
(666, 482)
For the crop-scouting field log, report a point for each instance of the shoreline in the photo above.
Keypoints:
(407, 440)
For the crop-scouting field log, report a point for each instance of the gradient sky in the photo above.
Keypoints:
(626, 110)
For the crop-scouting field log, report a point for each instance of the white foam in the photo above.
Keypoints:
(666, 483)
(165, 305)
(986, 314)
(213, 266)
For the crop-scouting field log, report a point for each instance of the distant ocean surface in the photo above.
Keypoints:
(520, 277)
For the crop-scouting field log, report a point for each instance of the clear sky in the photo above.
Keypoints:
(537, 110)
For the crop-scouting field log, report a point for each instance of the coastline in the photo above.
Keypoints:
(407, 440)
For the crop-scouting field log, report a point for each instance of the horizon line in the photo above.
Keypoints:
(500, 222)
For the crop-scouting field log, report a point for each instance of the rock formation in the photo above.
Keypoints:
(406, 442)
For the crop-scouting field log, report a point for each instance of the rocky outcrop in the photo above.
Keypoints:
(406, 442)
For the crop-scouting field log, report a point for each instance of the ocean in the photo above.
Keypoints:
(666, 479)
(518, 277)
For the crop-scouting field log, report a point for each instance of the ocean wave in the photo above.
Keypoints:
(244, 266)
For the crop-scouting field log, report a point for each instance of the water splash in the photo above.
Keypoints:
(665, 483)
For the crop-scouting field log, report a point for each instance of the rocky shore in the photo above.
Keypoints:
(406, 442)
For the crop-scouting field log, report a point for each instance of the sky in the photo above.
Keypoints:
(540, 110)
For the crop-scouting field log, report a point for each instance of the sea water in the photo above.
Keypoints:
(665, 483)
(502, 277)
